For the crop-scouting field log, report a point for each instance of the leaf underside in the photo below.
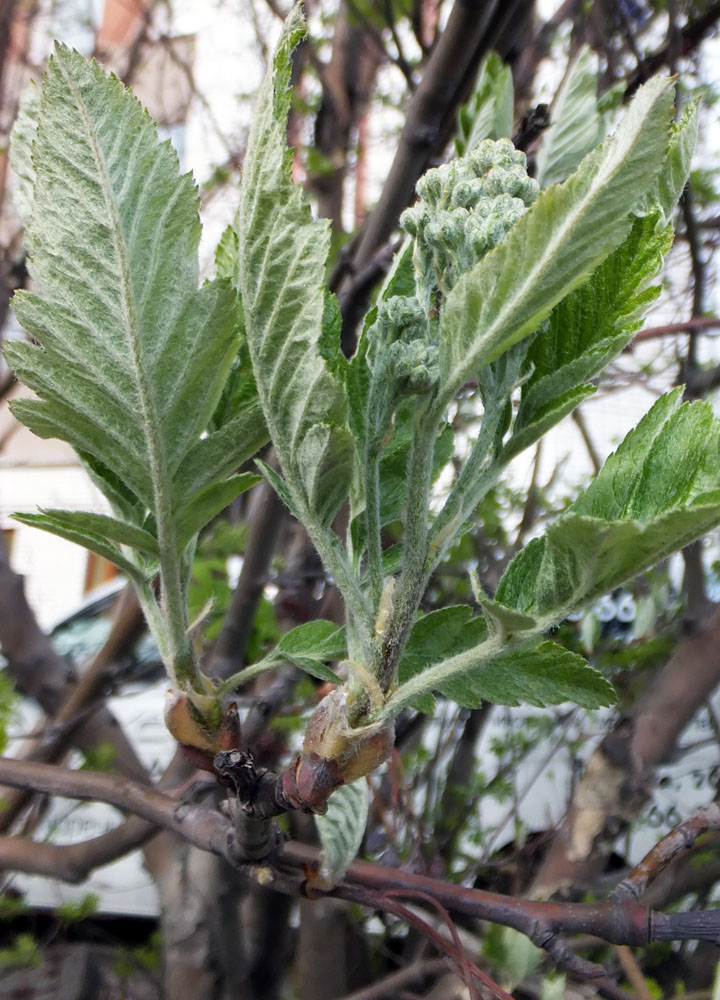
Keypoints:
(128, 367)
(282, 254)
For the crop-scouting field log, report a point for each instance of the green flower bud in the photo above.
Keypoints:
(466, 208)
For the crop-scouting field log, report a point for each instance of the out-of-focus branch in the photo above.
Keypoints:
(692, 326)
(265, 518)
(83, 699)
(618, 922)
(448, 74)
(538, 47)
(679, 841)
(614, 785)
(200, 826)
(388, 987)
(579, 421)
(74, 862)
(689, 37)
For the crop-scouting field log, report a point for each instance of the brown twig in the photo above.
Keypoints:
(689, 37)
(680, 840)
(74, 862)
(616, 921)
(632, 971)
(82, 701)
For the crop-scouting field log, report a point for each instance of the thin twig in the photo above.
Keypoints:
(679, 841)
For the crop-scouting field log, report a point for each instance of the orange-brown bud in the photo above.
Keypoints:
(184, 724)
(334, 753)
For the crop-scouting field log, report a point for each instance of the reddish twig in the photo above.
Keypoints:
(468, 968)
(692, 326)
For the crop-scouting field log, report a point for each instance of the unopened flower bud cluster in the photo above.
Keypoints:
(402, 333)
(466, 208)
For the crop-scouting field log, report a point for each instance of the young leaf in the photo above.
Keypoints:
(208, 502)
(22, 137)
(341, 831)
(307, 647)
(214, 456)
(576, 126)
(226, 254)
(540, 674)
(586, 329)
(321, 639)
(281, 278)
(489, 112)
(85, 536)
(658, 492)
(669, 184)
(100, 524)
(437, 636)
(130, 356)
(567, 232)
(450, 652)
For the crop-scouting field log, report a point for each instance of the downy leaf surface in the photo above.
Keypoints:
(587, 329)
(22, 137)
(670, 182)
(449, 651)
(131, 355)
(659, 491)
(577, 125)
(341, 831)
(282, 255)
(307, 646)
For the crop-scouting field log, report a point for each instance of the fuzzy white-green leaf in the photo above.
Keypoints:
(670, 182)
(576, 126)
(282, 255)
(489, 112)
(341, 831)
(587, 329)
(22, 137)
(130, 355)
(659, 491)
(452, 653)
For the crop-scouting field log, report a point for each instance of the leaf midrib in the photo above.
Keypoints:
(129, 322)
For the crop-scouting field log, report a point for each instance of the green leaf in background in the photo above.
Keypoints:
(281, 278)
(659, 491)
(309, 645)
(576, 127)
(587, 329)
(22, 137)
(566, 234)
(341, 831)
(489, 112)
